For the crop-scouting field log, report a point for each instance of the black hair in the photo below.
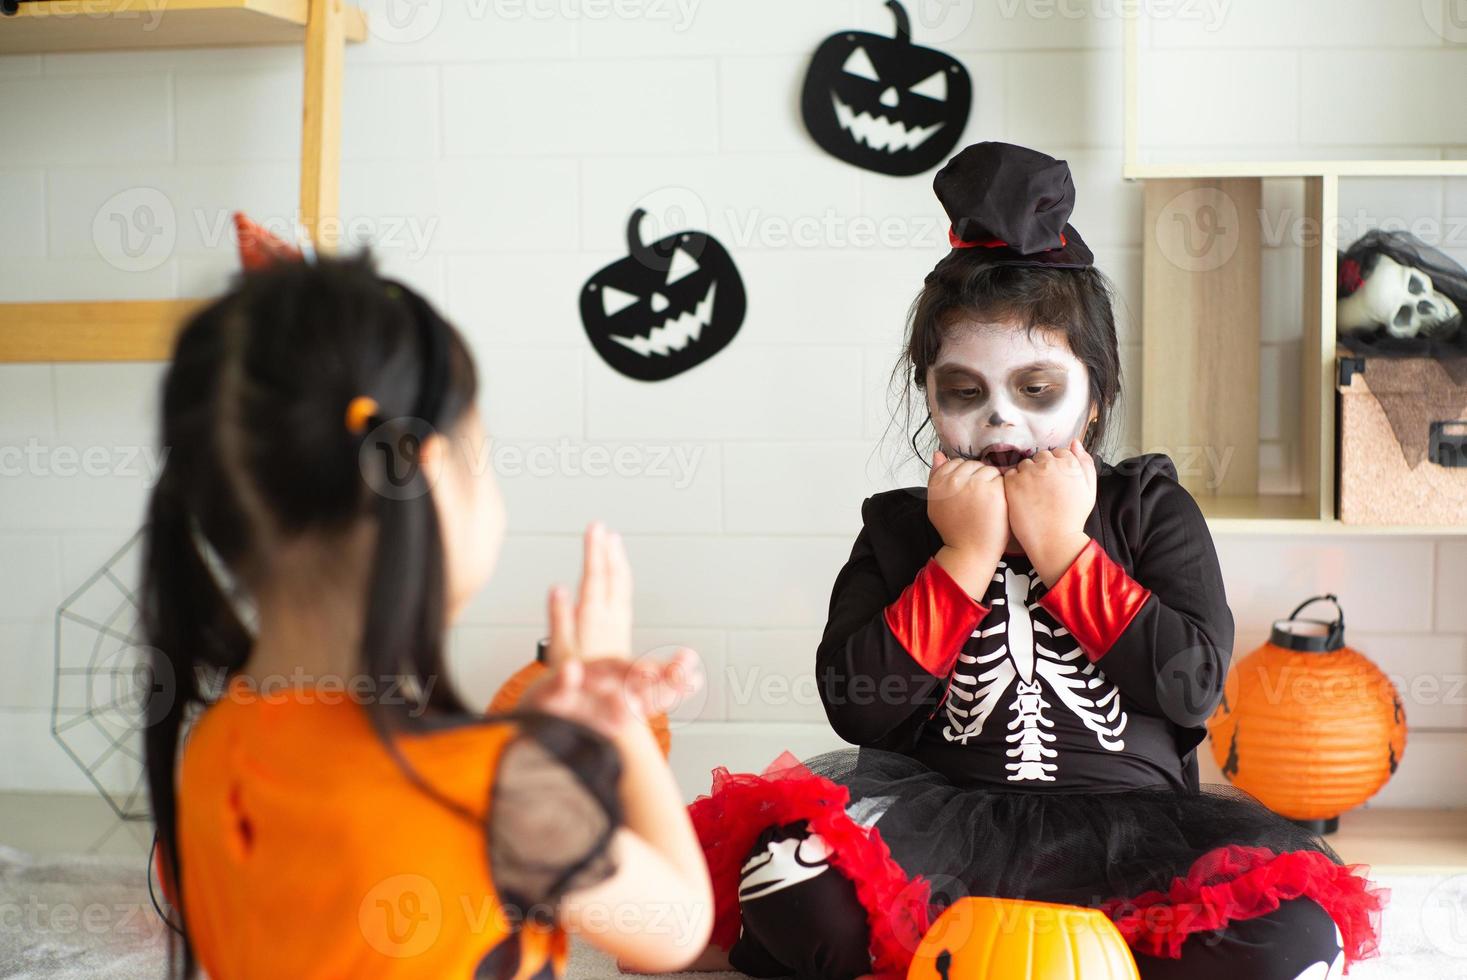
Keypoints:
(1076, 303)
(258, 450)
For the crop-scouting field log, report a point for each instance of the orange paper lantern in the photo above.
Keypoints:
(508, 697)
(1308, 725)
(982, 938)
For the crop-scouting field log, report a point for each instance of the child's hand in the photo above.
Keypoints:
(600, 625)
(967, 505)
(612, 694)
(1050, 496)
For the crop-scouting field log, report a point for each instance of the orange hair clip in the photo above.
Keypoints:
(358, 412)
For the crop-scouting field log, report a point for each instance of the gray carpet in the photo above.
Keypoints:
(90, 918)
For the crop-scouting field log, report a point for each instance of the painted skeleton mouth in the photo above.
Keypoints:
(879, 132)
(1004, 455)
(675, 332)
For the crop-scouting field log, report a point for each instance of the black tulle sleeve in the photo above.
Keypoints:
(554, 807)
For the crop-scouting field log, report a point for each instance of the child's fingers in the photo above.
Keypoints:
(939, 459)
(592, 583)
(686, 669)
(620, 570)
(562, 645)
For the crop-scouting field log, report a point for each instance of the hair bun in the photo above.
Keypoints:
(1012, 206)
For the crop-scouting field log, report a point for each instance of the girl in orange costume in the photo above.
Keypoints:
(326, 804)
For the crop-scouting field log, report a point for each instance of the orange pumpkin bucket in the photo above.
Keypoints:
(1308, 725)
(508, 697)
(1012, 939)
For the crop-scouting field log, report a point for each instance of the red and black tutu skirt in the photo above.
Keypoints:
(1161, 863)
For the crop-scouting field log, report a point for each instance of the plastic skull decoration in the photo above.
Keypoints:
(1399, 298)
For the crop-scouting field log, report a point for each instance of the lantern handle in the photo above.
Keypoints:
(1337, 628)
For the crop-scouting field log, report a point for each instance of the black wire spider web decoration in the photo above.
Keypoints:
(104, 681)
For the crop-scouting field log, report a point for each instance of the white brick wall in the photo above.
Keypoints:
(496, 148)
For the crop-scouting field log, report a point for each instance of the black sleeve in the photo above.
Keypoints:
(1163, 633)
(879, 684)
(554, 807)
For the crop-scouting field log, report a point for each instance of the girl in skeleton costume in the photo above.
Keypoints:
(1026, 652)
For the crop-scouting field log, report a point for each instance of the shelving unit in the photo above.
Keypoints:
(1201, 321)
(112, 25)
(143, 330)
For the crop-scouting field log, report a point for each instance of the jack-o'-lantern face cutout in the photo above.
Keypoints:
(667, 307)
(884, 103)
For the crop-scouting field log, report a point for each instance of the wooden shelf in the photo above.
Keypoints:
(112, 25)
(135, 330)
(143, 330)
(1294, 168)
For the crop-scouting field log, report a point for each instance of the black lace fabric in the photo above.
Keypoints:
(553, 811)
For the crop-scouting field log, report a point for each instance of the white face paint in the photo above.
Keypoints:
(994, 387)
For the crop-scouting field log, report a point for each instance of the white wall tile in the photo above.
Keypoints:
(865, 302)
(30, 576)
(22, 213)
(1429, 672)
(27, 411)
(1233, 24)
(759, 104)
(805, 393)
(1451, 576)
(1389, 96)
(390, 112)
(1064, 98)
(465, 205)
(736, 581)
(438, 31)
(528, 394)
(90, 118)
(1426, 776)
(43, 280)
(1383, 584)
(486, 298)
(683, 27)
(237, 117)
(654, 486)
(19, 65)
(562, 107)
(134, 217)
(27, 655)
(1005, 25)
(789, 488)
(771, 676)
(1220, 98)
(746, 201)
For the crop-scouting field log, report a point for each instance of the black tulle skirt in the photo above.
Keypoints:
(914, 842)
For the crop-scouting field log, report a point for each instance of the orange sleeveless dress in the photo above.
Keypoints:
(305, 850)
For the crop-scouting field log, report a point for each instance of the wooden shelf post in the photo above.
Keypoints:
(1201, 323)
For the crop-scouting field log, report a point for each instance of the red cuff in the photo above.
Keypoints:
(933, 618)
(1095, 600)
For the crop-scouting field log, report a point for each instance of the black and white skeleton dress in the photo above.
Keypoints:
(1033, 743)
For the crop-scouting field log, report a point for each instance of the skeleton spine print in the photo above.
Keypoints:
(1033, 667)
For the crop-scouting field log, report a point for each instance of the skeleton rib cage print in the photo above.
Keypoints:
(1020, 660)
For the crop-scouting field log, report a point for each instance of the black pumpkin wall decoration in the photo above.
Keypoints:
(667, 307)
(886, 104)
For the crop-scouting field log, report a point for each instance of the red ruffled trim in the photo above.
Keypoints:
(1236, 882)
(741, 806)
